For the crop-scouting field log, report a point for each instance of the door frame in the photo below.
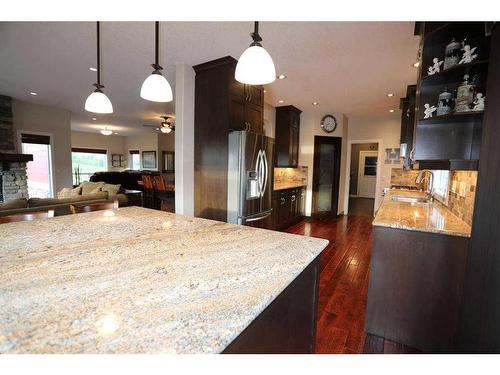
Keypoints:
(348, 168)
(361, 173)
(337, 142)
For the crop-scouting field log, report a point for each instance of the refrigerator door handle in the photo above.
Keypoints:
(266, 214)
(260, 171)
(266, 172)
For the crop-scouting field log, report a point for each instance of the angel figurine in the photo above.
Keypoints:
(428, 110)
(436, 67)
(478, 102)
(468, 54)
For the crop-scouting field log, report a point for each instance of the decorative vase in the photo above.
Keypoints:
(465, 95)
(444, 103)
(452, 54)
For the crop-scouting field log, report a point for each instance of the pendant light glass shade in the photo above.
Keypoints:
(98, 102)
(166, 129)
(255, 65)
(156, 88)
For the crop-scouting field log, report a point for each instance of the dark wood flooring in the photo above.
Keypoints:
(344, 286)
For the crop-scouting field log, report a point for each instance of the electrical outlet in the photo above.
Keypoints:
(454, 186)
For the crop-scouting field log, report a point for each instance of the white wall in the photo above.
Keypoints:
(309, 127)
(184, 139)
(49, 121)
(387, 132)
(113, 144)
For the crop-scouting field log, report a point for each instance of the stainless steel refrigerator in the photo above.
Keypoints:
(250, 179)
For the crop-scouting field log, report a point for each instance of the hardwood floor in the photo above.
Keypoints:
(344, 286)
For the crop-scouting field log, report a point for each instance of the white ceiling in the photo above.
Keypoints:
(347, 67)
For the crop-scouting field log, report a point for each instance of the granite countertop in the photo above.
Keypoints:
(289, 185)
(422, 217)
(136, 280)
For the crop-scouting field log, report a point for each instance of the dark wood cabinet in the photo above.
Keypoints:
(288, 207)
(246, 107)
(221, 104)
(287, 136)
(449, 141)
(407, 106)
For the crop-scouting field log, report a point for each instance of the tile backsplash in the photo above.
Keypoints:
(462, 190)
(462, 193)
(290, 175)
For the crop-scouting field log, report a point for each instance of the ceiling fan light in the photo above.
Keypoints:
(156, 88)
(98, 102)
(166, 129)
(255, 67)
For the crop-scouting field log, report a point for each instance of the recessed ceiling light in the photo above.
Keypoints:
(315, 103)
(391, 110)
(115, 133)
(93, 69)
(281, 76)
(390, 94)
(281, 101)
(33, 93)
(93, 119)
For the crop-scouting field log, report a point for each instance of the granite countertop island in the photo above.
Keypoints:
(135, 280)
(430, 217)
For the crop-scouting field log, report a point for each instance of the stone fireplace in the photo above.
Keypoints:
(13, 177)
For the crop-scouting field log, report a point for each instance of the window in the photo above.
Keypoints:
(85, 162)
(39, 171)
(441, 182)
(370, 166)
(134, 160)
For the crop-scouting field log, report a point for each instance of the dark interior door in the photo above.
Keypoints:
(326, 176)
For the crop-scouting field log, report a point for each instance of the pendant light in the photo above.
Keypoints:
(255, 66)
(97, 101)
(156, 88)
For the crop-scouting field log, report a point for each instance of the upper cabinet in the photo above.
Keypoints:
(246, 107)
(450, 95)
(407, 106)
(287, 136)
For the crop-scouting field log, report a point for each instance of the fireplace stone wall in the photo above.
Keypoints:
(13, 177)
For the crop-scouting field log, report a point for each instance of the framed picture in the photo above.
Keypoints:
(149, 159)
(168, 161)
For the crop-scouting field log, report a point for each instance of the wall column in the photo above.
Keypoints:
(184, 140)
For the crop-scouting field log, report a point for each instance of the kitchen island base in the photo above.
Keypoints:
(288, 324)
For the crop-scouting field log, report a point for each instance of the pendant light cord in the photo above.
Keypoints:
(255, 35)
(156, 64)
(98, 84)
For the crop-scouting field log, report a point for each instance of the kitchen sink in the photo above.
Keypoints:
(409, 199)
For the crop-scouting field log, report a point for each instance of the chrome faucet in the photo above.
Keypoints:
(430, 185)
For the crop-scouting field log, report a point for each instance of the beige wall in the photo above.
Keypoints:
(166, 142)
(50, 121)
(113, 144)
(310, 127)
(387, 133)
(143, 142)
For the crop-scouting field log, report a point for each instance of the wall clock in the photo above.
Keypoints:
(329, 123)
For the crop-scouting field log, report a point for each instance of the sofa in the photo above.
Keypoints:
(128, 179)
(61, 205)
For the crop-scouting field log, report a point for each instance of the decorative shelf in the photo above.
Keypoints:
(453, 117)
(454, 74)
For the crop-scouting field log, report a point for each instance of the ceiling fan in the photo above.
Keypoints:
(167, 125)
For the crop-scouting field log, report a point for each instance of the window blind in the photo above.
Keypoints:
(89, 150)
(35, 139)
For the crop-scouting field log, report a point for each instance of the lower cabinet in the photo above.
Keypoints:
(288, 207)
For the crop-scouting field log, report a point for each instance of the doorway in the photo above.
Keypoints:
(38, 171)
(326, 176)
(363, 178)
